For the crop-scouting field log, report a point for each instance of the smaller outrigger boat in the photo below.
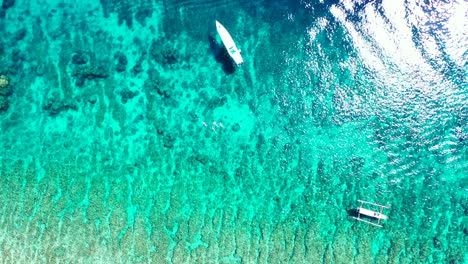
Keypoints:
(228, 42)
(371, 214)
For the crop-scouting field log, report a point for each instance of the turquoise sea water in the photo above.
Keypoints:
(129, 136)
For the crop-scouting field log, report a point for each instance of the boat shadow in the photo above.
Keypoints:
(352, 212)
(221, 55)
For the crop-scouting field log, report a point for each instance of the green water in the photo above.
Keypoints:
(129, 136)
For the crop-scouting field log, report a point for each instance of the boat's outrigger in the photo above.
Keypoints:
(372, 214)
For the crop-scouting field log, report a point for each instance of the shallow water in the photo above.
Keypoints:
(129, 136)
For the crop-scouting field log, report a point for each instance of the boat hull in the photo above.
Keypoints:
(373, 214)
(229, 43)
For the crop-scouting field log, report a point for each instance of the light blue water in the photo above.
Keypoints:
(129, 136)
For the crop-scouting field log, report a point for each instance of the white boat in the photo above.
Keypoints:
(228, 42)
(370, 213)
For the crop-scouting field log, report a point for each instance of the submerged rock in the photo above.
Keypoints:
(20, 34)
(159, 84)
(122, 62)
(122, 59)
(17, 56)
(89, 73)
(4, 91)
(168, 140)
(79, 58)
(236, 127)
(4, 104)
(4, 83)
(95, 72)
(216, 102)
(120, 68)
(138, 68)
(8, 3)
(203, 159)
(55, 107)
(164, 53)
(93, 99)
(127, 95)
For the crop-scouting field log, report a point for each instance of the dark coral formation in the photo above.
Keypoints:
(17, 56)
(157, 83)
(20, 34)
(137, 68)
(142, 14)
(85, 65)
(3, 103)
(8, 3)
(164, 53)
(122, 62)
(168, 140)
(15, 62)
(80, 58)
(236, 127)
(55, 106)
(216, 102)
(202, 158)
(127, 95)
(89, 72)
(4, 92)
(127, 10)
(2, 50)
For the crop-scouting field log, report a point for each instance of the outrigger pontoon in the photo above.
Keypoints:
(371, 214)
